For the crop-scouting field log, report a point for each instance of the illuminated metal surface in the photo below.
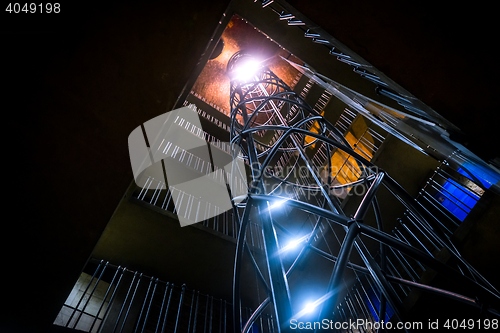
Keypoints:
(340, 258)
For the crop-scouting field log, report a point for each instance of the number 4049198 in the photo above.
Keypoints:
(33, 8)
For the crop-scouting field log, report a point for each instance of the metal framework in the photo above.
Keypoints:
(295, 196)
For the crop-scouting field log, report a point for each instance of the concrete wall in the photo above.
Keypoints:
(155, 244)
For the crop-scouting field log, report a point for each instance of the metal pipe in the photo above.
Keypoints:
(124, 302)
(190, 313)
(130, 303)
(196, 311)
(399, 235)
(240, 245)
(380, 280)
(367, 200)
(338, 268)
(206, 315)
(423, 231)
(426, 259)
(144, 305)
(104, 300)
(183, 290)
(280, 294)
(168, 289)
(256, 314)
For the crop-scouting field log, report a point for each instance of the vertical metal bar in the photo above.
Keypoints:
(162, 305)
(405, 240)
(407, 267)
(360, 304)
(273, 329)
(104, 301)
(156, 190)
(89, 297)
(220, 316)
(380, 279)
(196, 312)
(191, 307)
(225, 317)
(349, 307)
(352, 307)
(130, 303)
(399, 235)
(394, 272)
(124, 302)
(143, 190)
(261, 324)
(169, 287)
(84, 293)
(240, 246)
(113, 295)
(206, 315)
(369, 196)
(277, 275)
(411, 273)
(383, 255)
(363, 306)
(340, 264)
(368, 299)
(346, 316)
(423, 231)
(144, 306)
(166, 200)
(268, 324)
(149, 306)
(211, 314)
(252, 316)
(412, 234)
(343, 315)
(183, 290)
(416, 210)
(425, 195)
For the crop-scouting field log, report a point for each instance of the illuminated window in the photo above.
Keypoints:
(457, 199)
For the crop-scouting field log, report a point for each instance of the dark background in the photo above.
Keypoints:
(75, 84)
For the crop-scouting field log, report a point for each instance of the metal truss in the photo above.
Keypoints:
(321, 231)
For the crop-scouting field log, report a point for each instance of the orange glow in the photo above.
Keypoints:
(314, 129)
(213, 82)
(344, 167)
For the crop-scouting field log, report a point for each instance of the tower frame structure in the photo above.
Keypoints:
(293, 193)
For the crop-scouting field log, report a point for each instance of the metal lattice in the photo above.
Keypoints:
(341, 262)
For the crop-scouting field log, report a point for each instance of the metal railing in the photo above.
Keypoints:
(168, 199)
(450, 195)
(114, 299)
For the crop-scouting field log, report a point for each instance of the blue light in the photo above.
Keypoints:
(457, 199)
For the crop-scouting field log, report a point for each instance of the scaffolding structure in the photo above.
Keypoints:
(318, 260)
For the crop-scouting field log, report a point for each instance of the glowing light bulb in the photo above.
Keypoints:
(246, 70)
(309, 308)
(294, 243)
(278, 203)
